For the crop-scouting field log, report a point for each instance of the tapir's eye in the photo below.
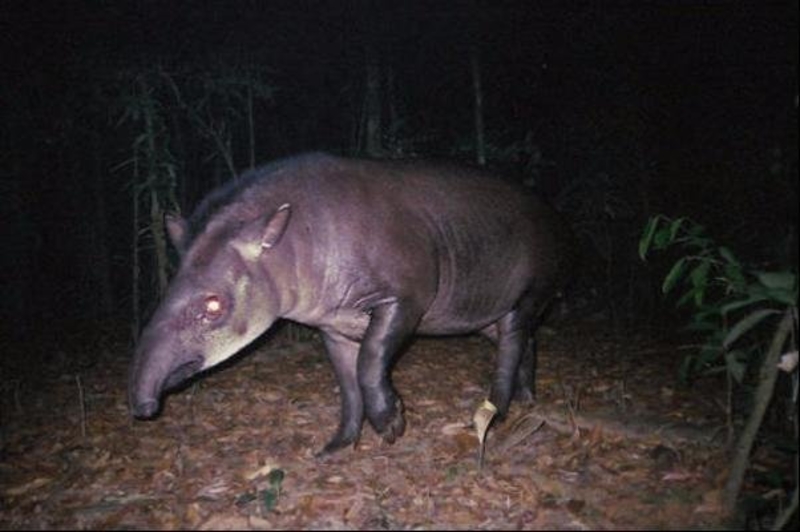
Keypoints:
(212, 308)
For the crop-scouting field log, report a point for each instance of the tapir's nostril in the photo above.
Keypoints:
(146, 409)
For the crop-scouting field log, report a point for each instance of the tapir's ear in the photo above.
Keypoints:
(259, 236)
(276, 226)
(177, 229)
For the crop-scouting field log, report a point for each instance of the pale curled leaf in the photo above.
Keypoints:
(262, 471)
(788, 362)
(483, 418)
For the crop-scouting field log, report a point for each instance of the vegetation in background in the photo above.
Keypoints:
(748, 318)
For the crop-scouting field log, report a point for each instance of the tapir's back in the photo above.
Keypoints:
(463, 242)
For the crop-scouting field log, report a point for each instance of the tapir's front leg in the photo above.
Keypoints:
(391, 324)
(343, 353)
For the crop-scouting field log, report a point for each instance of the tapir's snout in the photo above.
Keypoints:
(157, 368)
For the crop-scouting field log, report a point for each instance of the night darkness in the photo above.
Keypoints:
(116, 113)
(614, 111)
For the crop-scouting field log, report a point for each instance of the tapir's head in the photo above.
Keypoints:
(223, 297)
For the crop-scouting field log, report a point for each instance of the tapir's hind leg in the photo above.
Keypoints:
(515, 364)
(524, 388)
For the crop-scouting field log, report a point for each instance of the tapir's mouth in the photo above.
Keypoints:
(146, 402)
(183, 372)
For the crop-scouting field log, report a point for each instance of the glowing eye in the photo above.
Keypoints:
(213, 307)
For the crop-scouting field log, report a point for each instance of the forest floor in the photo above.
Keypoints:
(612, 442)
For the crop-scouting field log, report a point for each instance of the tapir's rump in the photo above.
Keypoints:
(369, 252)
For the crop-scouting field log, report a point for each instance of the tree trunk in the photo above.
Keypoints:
(135, 270)
(480, 144)
(101, 266)
(251, 128)
(159, 242)
(372, 109)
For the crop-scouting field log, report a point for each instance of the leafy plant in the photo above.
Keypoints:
(269, 496)
(154, 174)
(732, 302)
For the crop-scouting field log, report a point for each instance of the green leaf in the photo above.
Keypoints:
(695, 230)
(757, 290)
(781, 280)
(735, 364)
(699, 275)
(780, 287)
(673, 276)
(647, 236)
(707, 314)
(690, 294)
(726, 254)
(275, 477)
(778, 295)
(269, 499)
(745, 324)
(699, 278)
(740, 303)
(709, 353)
(785, 297)
(675, 227)
(661, 239)
(686, 369)
(735, 276)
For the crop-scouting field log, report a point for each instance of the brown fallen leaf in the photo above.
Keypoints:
(712, 503)
(22, 489)
(226, 522)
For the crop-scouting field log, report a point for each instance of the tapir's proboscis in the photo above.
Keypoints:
(368, 252)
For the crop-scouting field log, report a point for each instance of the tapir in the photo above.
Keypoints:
(368, 252)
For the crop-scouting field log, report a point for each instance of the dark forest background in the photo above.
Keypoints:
(116, 112)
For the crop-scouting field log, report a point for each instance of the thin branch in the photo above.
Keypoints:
(766, 386)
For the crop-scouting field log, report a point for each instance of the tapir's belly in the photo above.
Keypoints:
(474, 301)
(455, 316)
(463, 318)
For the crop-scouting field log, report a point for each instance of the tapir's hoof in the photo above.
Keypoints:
(524, 396)
(396, 424)
(395, 429)
(338, 443)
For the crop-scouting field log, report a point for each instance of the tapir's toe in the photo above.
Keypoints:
(337, 443)
(525, 396)
(395, 426)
